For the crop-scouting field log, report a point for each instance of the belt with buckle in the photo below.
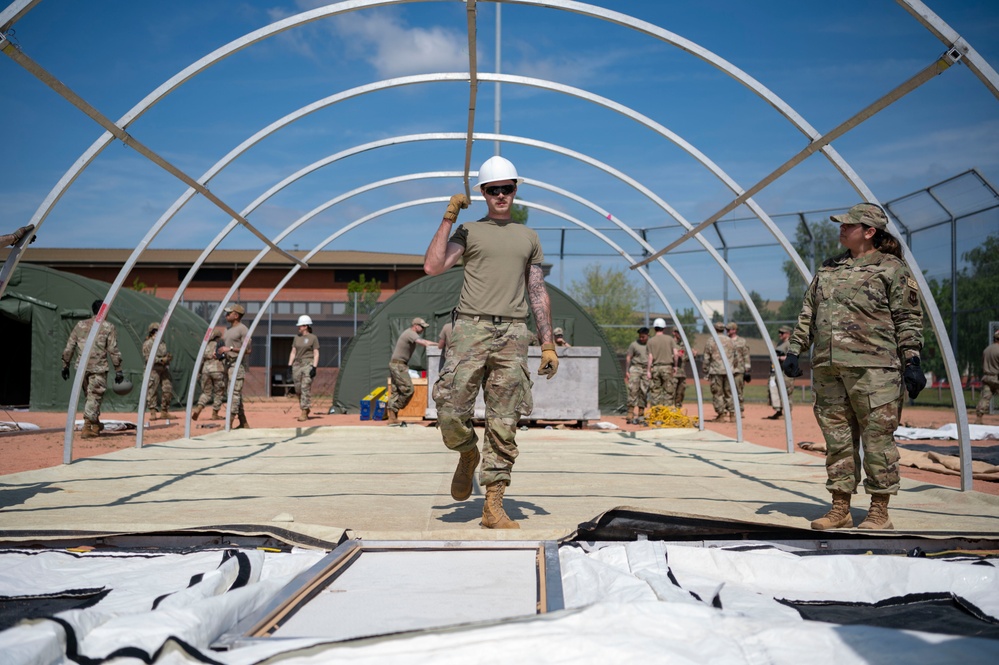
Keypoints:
(488, 318)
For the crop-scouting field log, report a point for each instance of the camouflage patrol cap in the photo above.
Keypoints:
(152, 327)
(732, 325)
(719, 326)
(558, 332)
(784, 329)
(217, 332)
(235, 308)
(868, 214)
(419, 322)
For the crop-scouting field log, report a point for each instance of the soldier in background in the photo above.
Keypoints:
(559, 335)
(95, 381)
(990, 378)
(784, 336)
(662, 357)
(443, 343)
(636, 362)
(234, 338)
(714, 367)
(741, 365)
(302, 364)
(680, 370)
(159, 379)
(213, 381)
(863, 316)
(402, 385)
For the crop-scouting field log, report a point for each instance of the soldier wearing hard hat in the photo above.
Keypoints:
(302, 364)
(662, 364)
(490, 340)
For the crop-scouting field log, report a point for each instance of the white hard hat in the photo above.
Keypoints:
(304, 320)
(659, 323)
(497, 168)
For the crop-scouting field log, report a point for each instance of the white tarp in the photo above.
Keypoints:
(947, 432)
(636, 602)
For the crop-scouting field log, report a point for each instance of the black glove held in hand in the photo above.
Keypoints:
(290, 374)
(312, 372)
(913, 377)
(790, 366)
(746, 377)
(119, 376)
(65, 374)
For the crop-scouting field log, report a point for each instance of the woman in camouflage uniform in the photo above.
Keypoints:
(863, 314)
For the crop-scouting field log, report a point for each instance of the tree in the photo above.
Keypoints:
(518, 213)
(611, 299)
(743, 314)
(977, 304)
(365, 293)
(822, 244)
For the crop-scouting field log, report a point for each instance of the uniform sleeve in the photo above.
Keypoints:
(537, 254)
(460, 236)
(67, 353)
(113, 348)
(801, 338)
(906, 313)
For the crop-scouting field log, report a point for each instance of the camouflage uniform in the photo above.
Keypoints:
(990, 378)
(679, 379)
(159, 378)
(213, 384)
(740, 367)
(95, 379)
(781, 349)
(301, 369)
(494, 356)
(661, 383)
(864, 317)
(638, 377)
(721, 390)
(236, 336)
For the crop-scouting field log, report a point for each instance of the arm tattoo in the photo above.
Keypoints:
(540, 303)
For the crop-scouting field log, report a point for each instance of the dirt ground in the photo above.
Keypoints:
(24, 452)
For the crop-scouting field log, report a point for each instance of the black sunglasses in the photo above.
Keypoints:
(496, 190)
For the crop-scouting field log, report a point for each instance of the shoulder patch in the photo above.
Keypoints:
(911, 283)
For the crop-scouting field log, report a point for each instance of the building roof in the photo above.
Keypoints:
(182, 258)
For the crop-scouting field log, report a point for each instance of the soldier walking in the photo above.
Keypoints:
(721, 390)
(95, 381)
(741, 365)
(213, 380)
(490, 339)
(160, 380)
(234, 338)
(402, 384)
(302, 364)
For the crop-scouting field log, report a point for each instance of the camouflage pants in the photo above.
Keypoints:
(740, 386)
(857, 406)
(95, 386)
(680, 391)
(990, 386)
(159, 381)
(237, 374)
(661, 386)
(402, 386)
(721, 394)
(638, 386)
(303, 384)
(212, 390)
(774, 392)
(493, 356)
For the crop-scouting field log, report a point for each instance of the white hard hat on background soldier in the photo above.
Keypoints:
(304, 320)
(659, 323)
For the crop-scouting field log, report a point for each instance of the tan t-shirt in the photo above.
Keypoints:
(304, 346)
(233, 339)
(639, 354)
(496, 257)
(405, 345)
(661, 349)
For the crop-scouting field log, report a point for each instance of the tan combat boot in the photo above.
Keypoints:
(493, 515)
(391, 417)
(242, 421)
(461, 481)
(153, 414)
(89, 430)
(164, 415)
(305, 416)
(730, 417)
(837, 518)
(216, 415)
(196, 411)
(877, 516)
(979, 419)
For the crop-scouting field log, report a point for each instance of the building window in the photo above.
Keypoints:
(339, 307)
(314, 308)
(282, 307)
(252, 307)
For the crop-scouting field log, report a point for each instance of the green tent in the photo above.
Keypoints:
(366, 359)
(37, 314)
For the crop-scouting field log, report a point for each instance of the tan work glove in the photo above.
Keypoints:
(457, 202)
(549, 361)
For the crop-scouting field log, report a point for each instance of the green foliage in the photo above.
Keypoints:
(366, 291)
(611, 299)
(518, 213)
(689, 320)
(141, 287)
(744, 316)
(977, 304)
(823, 244)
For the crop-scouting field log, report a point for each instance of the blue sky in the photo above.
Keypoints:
(826, 60)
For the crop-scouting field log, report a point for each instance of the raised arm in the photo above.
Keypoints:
(442, 255)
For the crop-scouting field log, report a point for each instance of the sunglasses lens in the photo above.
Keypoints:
(496, 190)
